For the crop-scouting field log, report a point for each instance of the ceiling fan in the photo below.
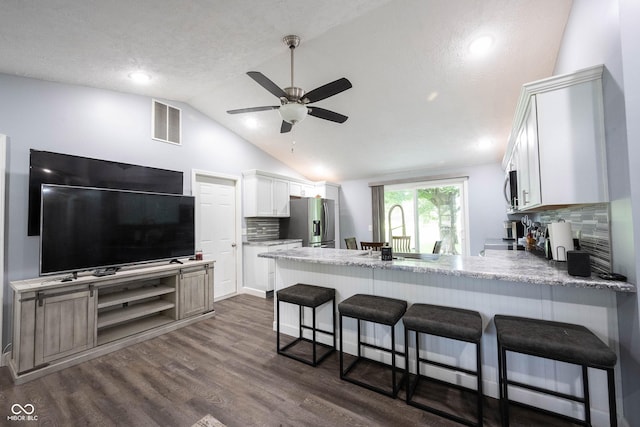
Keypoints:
(294, 102)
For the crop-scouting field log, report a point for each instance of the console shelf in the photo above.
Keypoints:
(124, 330)
(126, 313)
(126, 296)
(57, 323)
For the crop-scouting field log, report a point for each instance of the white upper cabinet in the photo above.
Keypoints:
(300, 189)
(557, 143)
(264, 195)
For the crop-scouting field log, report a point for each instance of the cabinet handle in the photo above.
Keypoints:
(504, 190)
(524, 197)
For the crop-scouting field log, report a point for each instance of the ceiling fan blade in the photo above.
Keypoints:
(327, 90)
(253, 109)
(321, 113)
(263, 81)
(285, 127)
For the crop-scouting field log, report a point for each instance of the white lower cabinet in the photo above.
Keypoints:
(259, 273)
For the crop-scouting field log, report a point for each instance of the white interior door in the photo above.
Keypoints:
(215, 230)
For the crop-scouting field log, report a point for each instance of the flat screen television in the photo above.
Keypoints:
(64, 169)
(97, 229)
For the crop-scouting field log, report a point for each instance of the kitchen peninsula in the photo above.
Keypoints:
(502, 282)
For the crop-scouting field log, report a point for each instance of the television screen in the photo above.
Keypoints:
(92, 228)
(54, 168)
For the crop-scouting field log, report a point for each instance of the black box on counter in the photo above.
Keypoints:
(387, 254)
(578, 263)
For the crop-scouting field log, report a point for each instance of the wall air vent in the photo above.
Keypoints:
(166, 123)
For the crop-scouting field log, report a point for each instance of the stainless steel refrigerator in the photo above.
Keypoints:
(313, 220)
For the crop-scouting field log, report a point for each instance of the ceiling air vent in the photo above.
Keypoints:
(166, 123)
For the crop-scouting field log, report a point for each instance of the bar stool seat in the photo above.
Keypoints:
(372, 308)
(375, 309)
(311, 296)
(559, 341)
(447, 322)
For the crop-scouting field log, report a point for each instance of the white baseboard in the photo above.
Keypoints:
(254, 292)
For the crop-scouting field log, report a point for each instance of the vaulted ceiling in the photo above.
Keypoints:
(420, 98)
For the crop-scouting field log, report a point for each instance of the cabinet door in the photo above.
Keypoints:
(572, 145)
(194, 293)
(65, 324)
(256, 269)
(280, 191)
(295, 189)
(531, 196)
(308, 190)
(264, 196)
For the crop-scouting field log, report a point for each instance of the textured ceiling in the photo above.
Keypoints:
(419, 100)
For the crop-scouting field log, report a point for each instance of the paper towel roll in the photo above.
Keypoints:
(561, 239)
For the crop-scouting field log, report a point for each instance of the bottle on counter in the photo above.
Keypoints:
(531, 241)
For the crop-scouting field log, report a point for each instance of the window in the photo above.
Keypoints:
(428, 212)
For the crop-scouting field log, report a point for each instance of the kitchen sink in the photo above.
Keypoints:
(413, 255)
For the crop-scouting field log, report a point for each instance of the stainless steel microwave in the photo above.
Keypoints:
(511, 190)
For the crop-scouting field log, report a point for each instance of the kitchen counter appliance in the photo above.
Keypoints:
(311, 219)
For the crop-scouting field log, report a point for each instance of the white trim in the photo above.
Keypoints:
(3, 169)
(238, 232)
(420, 178)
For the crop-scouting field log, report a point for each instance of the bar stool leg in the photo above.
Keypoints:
(278, 325)
(613, 419)
(585, 391)
(333, 317)
(407, 381)
(313, 334)
(393, 359)
(479, 385)
(341, 350)
(504, 397)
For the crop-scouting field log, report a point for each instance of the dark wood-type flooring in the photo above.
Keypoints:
(225, 366)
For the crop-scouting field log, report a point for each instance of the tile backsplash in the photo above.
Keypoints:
(263, 229)
(589, 223)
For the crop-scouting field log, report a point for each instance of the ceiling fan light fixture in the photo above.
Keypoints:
(140, 77)
(481, 45)
(293, 112)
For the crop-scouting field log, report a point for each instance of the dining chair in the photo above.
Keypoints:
(372, 245)
(351, 243)
(401, 243)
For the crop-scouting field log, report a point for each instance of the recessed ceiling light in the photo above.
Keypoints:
(481, 45)
(140, 77)
(432, 96)
(485, 143)
(251, 123)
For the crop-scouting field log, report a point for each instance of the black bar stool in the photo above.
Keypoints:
(375, 309)
(564, 342)
(447, 322)
(307, 296)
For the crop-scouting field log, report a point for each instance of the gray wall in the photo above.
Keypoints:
(606, 32)
(104, 125)
(487, 207)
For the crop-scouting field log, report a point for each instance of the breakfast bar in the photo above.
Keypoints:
(502, 282)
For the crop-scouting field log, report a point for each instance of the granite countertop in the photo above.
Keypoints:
(516, 266)
(271, 242)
